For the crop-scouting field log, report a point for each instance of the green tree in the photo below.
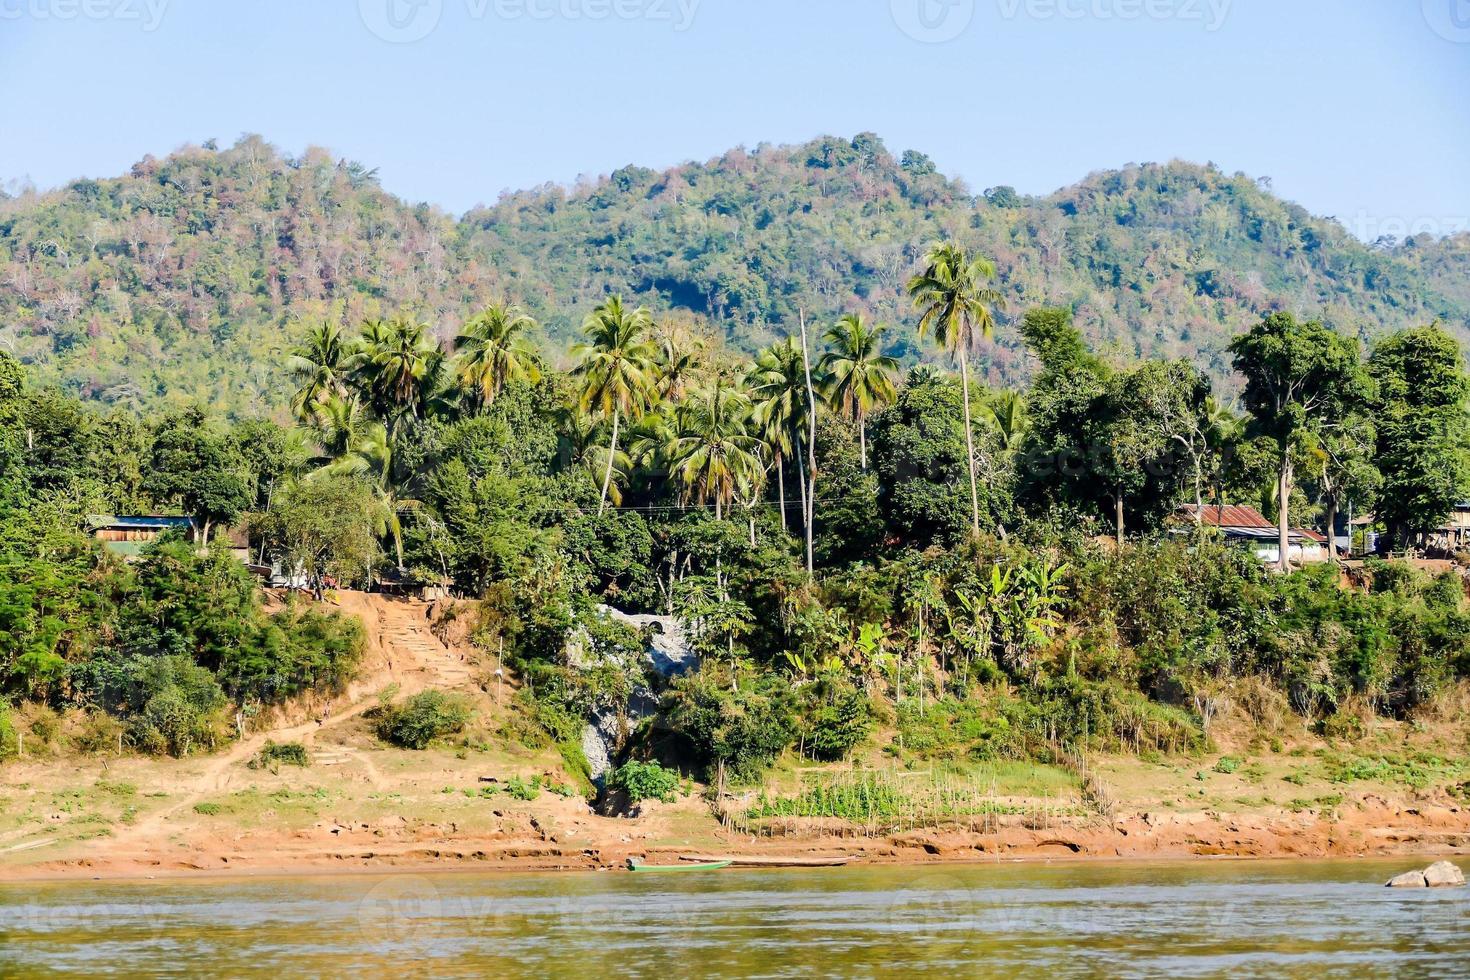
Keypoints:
(1297, 375)
(319, 366)
(198, 469)
(1420, 416)
(778, 387)
(617, 367)
(713, 457)
(955, 303)
(856, 375)
(493, 351)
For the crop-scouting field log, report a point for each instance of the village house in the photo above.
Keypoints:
(1249, 529)
(129, 535)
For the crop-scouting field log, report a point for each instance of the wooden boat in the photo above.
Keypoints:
(773, 861)
(635, 865)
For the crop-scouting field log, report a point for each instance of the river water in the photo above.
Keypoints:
(1202, 918)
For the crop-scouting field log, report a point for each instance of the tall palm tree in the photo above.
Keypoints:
(582, 446)
(714, 457)
(778, 387)
(493, 351)
(681, 354)
(618, 367)
(955, 303)
(856, 375)
(320, 366)
(396, 363)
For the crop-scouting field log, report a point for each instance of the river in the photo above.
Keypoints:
(1202, 918)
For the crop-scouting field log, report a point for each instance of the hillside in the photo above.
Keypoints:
(181, 280)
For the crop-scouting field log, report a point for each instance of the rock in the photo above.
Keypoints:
(1443, 874)
(1409, 879)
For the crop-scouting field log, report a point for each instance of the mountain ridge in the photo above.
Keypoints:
(182, 279)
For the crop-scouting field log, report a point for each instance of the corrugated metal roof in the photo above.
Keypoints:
(1230, 516)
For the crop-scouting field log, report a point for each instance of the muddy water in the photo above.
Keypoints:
(1068, 919)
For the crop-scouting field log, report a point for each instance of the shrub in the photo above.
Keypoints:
(208, 809)
(280, 753)
(423, 718)
(645, 781)
(746, 729)
(837, 727)
(522, 789)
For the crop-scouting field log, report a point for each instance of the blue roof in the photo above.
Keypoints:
(145, 522)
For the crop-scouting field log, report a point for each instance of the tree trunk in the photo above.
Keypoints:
(801, 482)
(1283, 523)
(1118, 512)
(612, 453)
(970, 444)
(862, 439)
(781, 489)
(811, 447)
(1332, 529)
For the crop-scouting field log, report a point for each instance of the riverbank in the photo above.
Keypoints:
(557, 834)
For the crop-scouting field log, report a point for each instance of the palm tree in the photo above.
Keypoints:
(336, 424)
(397, 364)
(371, 456)
(1008, 419)
(778, 388)
(681, 353)
(956, 303)
(714, 458)
(618, 364)
(582, 446)
(494, 351)
(857, 376)
(320, 365)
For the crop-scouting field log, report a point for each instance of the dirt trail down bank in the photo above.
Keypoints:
(402, 650)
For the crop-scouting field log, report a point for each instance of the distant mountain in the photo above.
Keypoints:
(182, 280)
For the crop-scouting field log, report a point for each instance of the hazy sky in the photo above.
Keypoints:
(1355, 108)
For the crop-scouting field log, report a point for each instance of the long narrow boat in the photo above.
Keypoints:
(634, 865)
(773, 861)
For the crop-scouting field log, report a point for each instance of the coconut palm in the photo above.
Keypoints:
(582, 446)
(856, 375)
(955, 302)
(618, 367)
(371, 457)
(493, 351)
(336, 424)
(320, 366)
(714, 457)
(397, 363)
(681, 354)
(778, 388)
(1007, 417)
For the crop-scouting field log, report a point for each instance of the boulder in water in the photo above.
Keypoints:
(1440, 874)
(1443, 874)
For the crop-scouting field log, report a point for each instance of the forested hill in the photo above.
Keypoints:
(183, 280)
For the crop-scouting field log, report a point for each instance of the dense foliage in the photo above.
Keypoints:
(177, 282)
(854, 552)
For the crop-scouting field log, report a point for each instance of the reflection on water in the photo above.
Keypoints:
(1183, 919)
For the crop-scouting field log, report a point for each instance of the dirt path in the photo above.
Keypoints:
(402, 650)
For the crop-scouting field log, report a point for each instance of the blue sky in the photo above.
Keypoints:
(1355, 108)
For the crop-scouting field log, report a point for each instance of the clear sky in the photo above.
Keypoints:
(1355, 108)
